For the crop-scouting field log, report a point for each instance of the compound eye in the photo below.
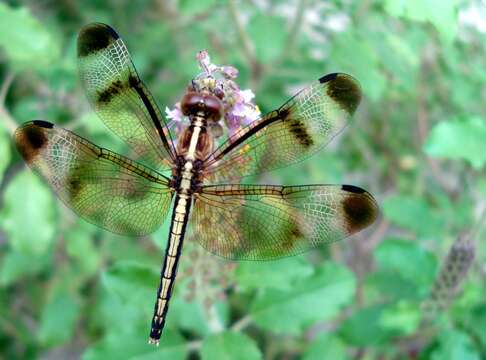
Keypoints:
(192, 103)
(213, 107)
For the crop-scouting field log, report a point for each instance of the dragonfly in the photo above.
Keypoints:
(192, 176)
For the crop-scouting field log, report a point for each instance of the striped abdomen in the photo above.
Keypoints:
(180, 216)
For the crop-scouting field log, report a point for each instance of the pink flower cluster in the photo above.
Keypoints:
(239, 109)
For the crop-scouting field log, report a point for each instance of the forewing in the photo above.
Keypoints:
(119, 97)
(258, 222)
(104, 188)
(302, 126)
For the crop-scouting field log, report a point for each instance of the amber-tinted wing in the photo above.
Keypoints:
(302, 126)
(119, 97)
(104, 188)
(257, 222)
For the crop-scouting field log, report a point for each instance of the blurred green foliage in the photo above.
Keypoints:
(418, 143)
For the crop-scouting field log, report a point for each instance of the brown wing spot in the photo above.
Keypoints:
(95, 37)
(30, 139)
(114, 89)
(345, 91)
(296, 127)
(74, 187)
(360, 209)
(133, 81)
(294, 234)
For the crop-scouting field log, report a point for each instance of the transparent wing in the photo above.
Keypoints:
(302, 126)
(104, 188)
(119, 97)
(257, 222)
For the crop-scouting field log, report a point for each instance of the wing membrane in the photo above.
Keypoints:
(258, 222)
(104, 188)
(302, 126)
(119, 97)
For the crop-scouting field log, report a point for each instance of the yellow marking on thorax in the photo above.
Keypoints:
(194, 138)
(190, 157)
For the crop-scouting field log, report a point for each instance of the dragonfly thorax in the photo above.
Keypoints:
(195, 141)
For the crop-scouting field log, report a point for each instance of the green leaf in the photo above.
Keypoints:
(387, 285)
(407, 260)
(132, 345)
(14, 265)
(414, 214)
(348, 47)
(229, 346)
(326, 347)
(363, 327)
(315, 298)
(476, 321)
(59, 318)
(402, 317)
(397, 53)
(129, 288)
(132, 282)
(80, 247)
(459, 139)
(442, 14)
(455, 344)
(25, 108)
(269, 35)
(281, 274)
(187, 315)
(25, 39)
(160, 237)
(4, 151)
(188, 7)
(482, 186)
(28, 214)
(107, 311)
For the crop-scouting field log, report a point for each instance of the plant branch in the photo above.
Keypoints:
(194, 345)
(4, 113)
(7, 82)
(423, 121)
(248, 49)
(295, 28)
(241, 323)
(376, 236)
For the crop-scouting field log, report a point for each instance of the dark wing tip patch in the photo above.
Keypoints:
(328, 77)
(353, 189)
(344, 89)
(44, 124)
(31, 138)
(359, 207)
(95, 37)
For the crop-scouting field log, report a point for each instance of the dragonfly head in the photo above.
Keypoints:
(194, 103)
